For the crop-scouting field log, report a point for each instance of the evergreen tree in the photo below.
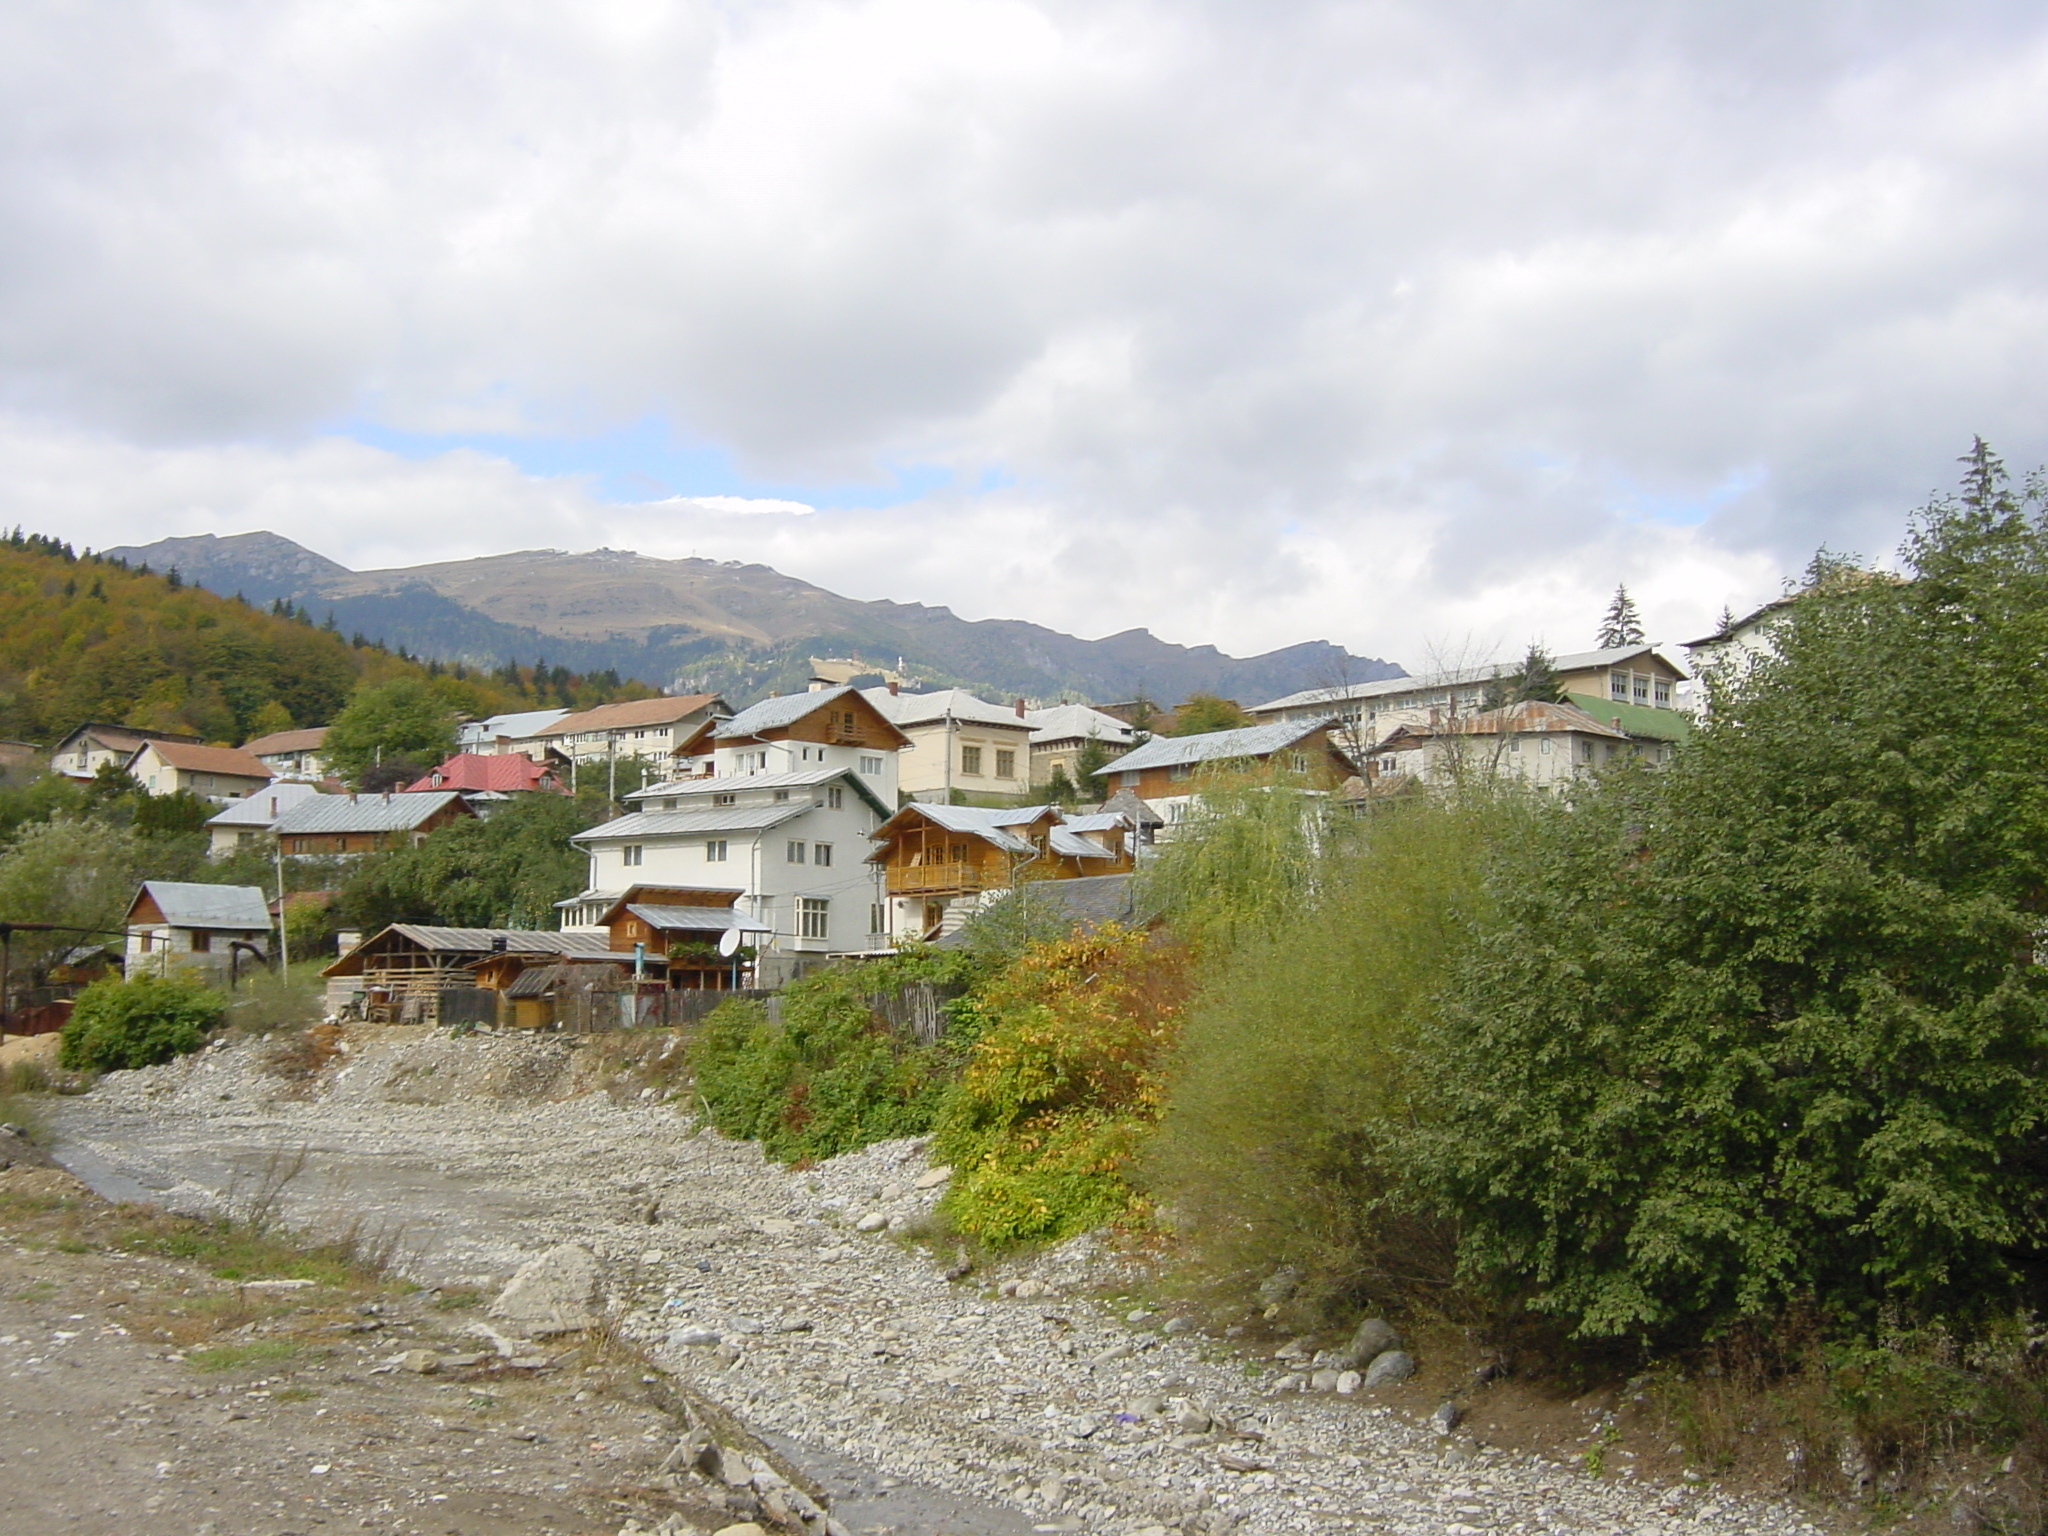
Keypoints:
(1623, 625)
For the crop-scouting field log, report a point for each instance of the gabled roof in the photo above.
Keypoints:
(786, 709)
(992, 826)
(401, 812)
(740, 783)
(1076, 722)
(118, 736)
(278, 743)
(941, 704)
(188, 758)
(727, 818)
(1098, 821)
(1251, 741)
(516, 725)
(265, 805)
(1070, 844)
(189, 904)
(480, 772)
(666, 710)
(1135, 812)
(1637, 719)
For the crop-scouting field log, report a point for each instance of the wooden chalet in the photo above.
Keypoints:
(934, 857)
(681, 926)
(352, 824)
(833, 717)
(1166, 766)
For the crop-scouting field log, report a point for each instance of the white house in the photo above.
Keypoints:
(793, 844)
(177, 924)
(957, 741)
(255, 816)
(521, 731)
(291, 754)
(1545, 744)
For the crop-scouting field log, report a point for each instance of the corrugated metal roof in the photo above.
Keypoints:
(365, 813)
(732, 818)
(731, 783)
(978, 821)
(773, 714)
(518, 941)
(667, 710)
(924, 708)
(1076, 722)
(517, 725)
(1074, 846)
(1251, 741)
(189, 904)
(696, 919)
(1461, 677)
(1100, 821)
(257, 810)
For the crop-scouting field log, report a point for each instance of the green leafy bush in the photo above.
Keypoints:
(832, 1075)
(1060, 1087)
(116, 1025)
(1766, 1032)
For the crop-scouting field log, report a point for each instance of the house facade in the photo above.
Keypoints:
(1640, 676)
(219, 774)
(181, 925)
(803, 732)
(520, 731)
(940, 863)
(329, 825)
(1062, 733)
(792, 844)
(1162, 772)
(91, 746)
(650, 729)
(253, 818)
(1548, 745)
(957, 742)
(291, 754)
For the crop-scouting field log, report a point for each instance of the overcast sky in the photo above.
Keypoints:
(1412, 325)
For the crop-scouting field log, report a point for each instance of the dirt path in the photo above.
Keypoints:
(760, 1287)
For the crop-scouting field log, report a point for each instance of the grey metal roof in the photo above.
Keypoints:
(255, 810)
(189, 904)
(696, 919)
(521, 723)
(1076, 722)
(730, 818)
(518, 941)
(958, 703)
(1099, 821)
(771, 714)
(365, 813)
(1460, 677)
(1074, 846)
(1216, 746)
(977, 821)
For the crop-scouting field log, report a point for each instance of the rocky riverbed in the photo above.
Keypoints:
(1052, 1394)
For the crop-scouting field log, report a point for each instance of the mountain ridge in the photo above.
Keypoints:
(736, 627)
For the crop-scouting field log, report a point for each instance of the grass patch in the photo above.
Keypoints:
(457, 1298)
(233, 1357)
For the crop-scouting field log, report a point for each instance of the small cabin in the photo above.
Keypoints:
(186, 925)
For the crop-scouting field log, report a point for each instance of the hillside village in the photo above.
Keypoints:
(746, 846)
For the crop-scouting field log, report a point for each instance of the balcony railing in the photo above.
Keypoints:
(932, 879)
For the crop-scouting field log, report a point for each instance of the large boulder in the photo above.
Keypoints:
(1393, 1365)
(1369, 1340)
(555, 1293)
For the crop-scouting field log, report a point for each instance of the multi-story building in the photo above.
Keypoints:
(957, 742)
(219, 774)
(1162, 772)
(1063, 734)
(294, 755)
(649, 729)
(91, 746)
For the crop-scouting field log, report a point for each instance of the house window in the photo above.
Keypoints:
(716, 851)
(148, 942)
(1546, 746)
(1300, 761)
(1642, 689)
(1617, 687)
(668, 805)
(723, 799)
(1585, 751)
(1663, 694)
(970, 760)
(878, 917)
(629, 854)
(812, 916)
(781, 795)
(1129, 780)
(202, 941)
(1006, 764)
(1179, 771)
(794, 853)
(821, 854)
(835, 798)
(871, 765)
(1514, 743)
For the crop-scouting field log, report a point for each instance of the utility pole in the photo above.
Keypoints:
(284, 958)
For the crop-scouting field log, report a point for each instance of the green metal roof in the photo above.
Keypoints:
(1637, 719)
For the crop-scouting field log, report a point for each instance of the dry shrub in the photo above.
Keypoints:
(300, 1054)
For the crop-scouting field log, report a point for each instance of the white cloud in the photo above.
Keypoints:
(1391, 323)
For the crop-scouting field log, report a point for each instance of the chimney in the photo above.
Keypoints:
(895, 688)
(1020, 709)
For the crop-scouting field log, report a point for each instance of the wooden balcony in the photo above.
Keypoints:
(937, 879)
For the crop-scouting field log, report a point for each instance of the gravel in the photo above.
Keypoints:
(780, 1294)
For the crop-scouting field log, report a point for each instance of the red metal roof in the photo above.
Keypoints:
(507, 773)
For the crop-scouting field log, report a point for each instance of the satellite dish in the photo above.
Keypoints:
(729, 942)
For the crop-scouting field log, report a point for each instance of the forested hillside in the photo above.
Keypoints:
(88, 638)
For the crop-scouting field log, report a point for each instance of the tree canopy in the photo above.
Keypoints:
(1622, 625)
(402, 718)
